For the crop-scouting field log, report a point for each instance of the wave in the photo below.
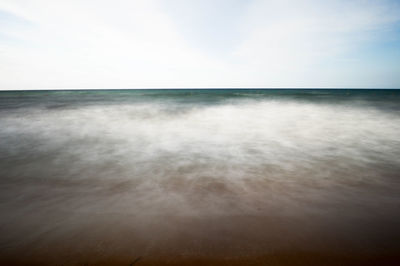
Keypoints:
(265, 158)
(268, 141)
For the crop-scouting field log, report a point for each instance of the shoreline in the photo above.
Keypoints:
(289, 258)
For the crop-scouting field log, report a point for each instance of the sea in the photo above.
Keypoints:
(172, 175)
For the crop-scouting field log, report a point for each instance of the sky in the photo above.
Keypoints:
(75, 44)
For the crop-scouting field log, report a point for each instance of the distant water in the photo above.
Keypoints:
(90, 175)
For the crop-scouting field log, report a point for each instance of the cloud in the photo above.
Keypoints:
(157, 43)
(77, 44)
(289, 40)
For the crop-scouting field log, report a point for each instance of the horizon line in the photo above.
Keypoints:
(198, 88)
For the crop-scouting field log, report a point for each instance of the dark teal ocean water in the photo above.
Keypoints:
(57, 98)
(198, 172)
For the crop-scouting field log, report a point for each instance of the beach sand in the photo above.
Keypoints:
(240, 240)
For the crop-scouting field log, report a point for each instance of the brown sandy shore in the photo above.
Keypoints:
(240, 240)
(279, 258)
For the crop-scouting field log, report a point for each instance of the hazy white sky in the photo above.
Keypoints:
(49, 44)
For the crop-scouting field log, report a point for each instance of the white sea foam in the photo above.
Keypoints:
(219, 159)
(79, 177)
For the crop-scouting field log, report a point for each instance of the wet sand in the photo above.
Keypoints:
(236, 240)
(283, 258)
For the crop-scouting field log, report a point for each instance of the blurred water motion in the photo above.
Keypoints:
(87, 175)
